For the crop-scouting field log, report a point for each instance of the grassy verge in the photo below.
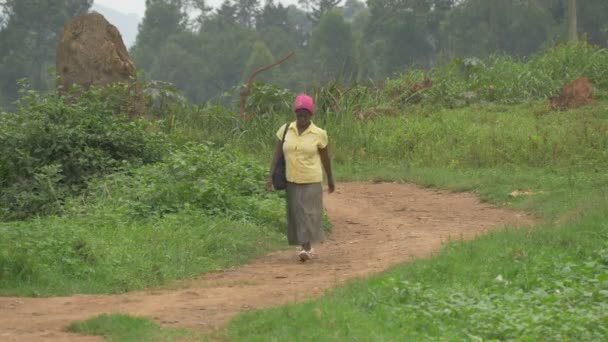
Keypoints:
(200, 209)
(126, 328)
(108, 253)
(548, 282)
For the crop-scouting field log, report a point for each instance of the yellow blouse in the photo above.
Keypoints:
(301, 151)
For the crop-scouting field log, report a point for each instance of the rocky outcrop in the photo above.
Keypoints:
(91, 53)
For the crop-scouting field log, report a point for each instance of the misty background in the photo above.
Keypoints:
(206, 48)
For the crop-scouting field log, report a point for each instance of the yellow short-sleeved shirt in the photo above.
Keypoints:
(302, 159)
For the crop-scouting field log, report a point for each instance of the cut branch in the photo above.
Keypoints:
(247, 88)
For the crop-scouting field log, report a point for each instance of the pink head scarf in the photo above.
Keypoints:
(304, 101)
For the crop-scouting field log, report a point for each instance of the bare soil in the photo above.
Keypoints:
(375, 226)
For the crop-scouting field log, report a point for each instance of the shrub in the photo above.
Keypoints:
(51, 145)
(199, 177)
(504, 79)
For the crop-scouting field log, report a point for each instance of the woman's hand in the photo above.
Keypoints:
(331, 187)
(269, 184)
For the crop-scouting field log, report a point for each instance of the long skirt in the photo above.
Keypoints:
(304, 213)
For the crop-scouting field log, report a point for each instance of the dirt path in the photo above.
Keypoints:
(375, 227)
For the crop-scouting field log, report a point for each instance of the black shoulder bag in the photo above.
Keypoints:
(279, 177)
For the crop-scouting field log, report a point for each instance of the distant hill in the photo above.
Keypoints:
(127, 24)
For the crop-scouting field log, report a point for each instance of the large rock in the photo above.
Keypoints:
(91, 53)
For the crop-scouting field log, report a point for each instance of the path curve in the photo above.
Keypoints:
(375, 227)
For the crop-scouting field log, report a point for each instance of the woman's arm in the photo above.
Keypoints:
(326, 161)
(275, 157)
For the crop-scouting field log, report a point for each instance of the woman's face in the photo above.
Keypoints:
(303, 117)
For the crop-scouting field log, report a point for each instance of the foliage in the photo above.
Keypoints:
(163, 19)
(548, 283)
(476, 28)
(28, 40)
(397, 34)
(332, 49)
(52, 145)
(504, 309)
(101, 247)
(507, 80)
(194, 177)
(318, 8)
(203, 208)
(119, 327)
(266, 99)
(204, 51)
(162, 98)
(383, 122)
(260, 57)
(246, 11)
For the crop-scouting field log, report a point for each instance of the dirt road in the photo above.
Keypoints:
(375, 227)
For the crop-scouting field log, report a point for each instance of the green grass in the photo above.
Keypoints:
(202, 208)
(109, 253)
(125, 328)
(547, 282)
(558, 194)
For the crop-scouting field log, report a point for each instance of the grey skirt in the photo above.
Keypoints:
(304, 213)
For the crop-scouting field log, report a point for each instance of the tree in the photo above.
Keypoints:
(226, 14)
(162, 19)
(318, 8)
(273, 15)
(178, 62)
(332, 49)
(572, 31)
(481, 27)
(352, 8)
(246, 12)
(28, 40)
(300, 20)
(277, 29)
(224, 50)
(398, 35)
(591, 20)
(260, 56)
(200, 7)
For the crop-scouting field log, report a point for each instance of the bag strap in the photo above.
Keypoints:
(285, 133)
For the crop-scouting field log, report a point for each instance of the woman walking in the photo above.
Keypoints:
(304, 147)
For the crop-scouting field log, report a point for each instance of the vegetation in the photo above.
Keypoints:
(51, 146)
(546, 283)
(126, 328)
(207, 51)
(198, 209)
(93, 202)
(549, 282)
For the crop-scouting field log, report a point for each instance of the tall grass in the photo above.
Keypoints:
(376, 123)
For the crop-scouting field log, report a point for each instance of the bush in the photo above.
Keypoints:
(52, 145)
(197, 177)
(504, 79)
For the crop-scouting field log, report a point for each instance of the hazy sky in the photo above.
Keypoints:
(139, 6)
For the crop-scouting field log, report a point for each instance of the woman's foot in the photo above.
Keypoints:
(305, 255)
